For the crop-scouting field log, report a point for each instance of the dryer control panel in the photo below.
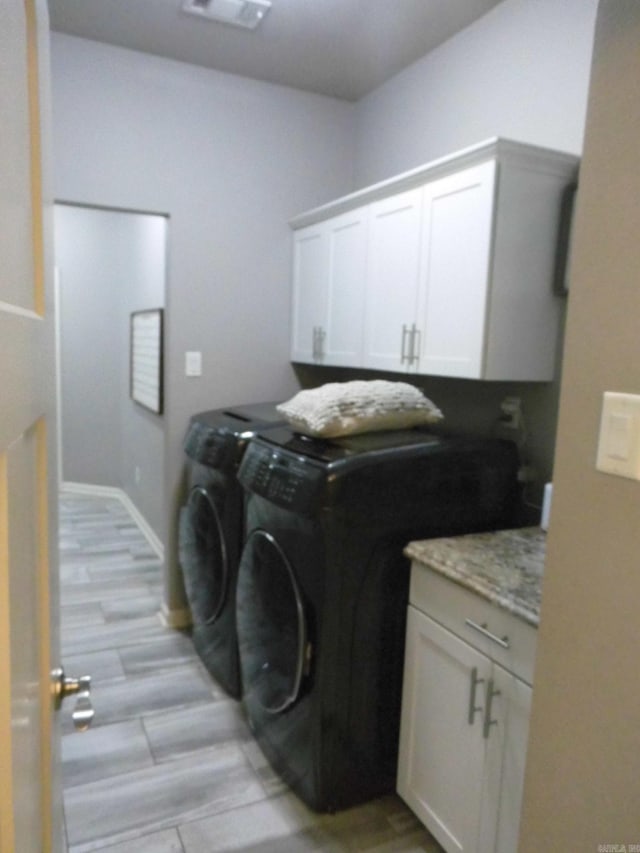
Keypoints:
(282, 478)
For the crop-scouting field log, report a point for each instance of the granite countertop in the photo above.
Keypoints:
(505, 566)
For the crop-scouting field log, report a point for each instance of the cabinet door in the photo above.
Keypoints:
(310, 283)
(392, 280)
(457, 232)
(515, 700)
(442, 748)
(341, 343)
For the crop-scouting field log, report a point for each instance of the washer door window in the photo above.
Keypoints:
(203, 556)
(271, 625)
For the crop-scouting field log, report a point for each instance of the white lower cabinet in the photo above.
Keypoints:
(463, 736)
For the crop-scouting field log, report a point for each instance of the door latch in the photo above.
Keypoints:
(63, 686)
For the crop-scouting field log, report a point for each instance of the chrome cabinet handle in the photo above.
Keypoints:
(62, 686)
(408, 350)
(488, 722)
(406, 331)
(318, 342)
(473, 708)
(414, 351)
(501, 641)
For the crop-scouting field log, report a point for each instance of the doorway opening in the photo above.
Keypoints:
(109, 264)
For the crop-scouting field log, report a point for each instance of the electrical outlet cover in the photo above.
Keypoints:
(193, 364)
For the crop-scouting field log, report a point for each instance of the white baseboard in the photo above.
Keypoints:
(112, 492)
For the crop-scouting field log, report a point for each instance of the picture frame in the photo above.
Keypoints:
(147, 359)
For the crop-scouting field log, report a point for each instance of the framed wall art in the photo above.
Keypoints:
(146, 359)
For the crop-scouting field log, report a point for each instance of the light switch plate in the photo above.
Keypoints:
(619, 440)
(193, 363)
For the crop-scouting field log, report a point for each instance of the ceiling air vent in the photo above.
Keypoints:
(240, 13)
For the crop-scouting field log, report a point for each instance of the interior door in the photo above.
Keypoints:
(30, 813)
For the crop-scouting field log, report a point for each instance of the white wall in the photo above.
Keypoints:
(521, 71)
(582, 788)
(144, 236)
(110, 263)
(92, 342)
(230, 160)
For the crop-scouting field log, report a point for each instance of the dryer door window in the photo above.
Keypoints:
(203, 556)
(272, 631)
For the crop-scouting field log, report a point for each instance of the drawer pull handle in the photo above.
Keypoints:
(473, 708)
(501, 641)
(488, 722)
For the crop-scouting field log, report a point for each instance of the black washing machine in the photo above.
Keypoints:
(323, 587)
(211, 529)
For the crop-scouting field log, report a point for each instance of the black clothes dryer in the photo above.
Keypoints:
(323, 587)
(211, 529)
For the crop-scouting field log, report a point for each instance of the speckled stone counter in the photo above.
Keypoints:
(505, 567)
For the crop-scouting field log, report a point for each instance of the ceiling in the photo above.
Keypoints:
(341, 48)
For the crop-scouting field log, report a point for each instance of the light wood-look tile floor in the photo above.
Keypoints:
(169, 765)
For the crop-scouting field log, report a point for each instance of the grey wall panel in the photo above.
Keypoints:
(110, 263)
(91, 347)
(522, 72)
(142, 459)
(230, 161)
(582, 786)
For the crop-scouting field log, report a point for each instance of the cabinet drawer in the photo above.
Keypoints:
(455, 607)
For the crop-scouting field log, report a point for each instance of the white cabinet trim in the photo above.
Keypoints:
(457, 274)
(538, 159)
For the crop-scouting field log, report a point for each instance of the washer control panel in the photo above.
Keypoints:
(286, 480)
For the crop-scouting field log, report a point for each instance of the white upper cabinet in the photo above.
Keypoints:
(447, 270)
(329, 290)
(310, 267)
(455, 273)
(346, 281)
(392, 280)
